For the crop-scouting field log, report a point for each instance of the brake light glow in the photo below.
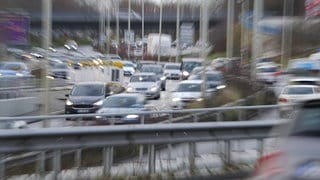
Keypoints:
(283, 100)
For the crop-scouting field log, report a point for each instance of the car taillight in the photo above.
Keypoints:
(269, 165)
(277, 73)
(283, 100)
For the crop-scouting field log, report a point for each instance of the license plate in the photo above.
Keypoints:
(309, 170)
(83, 111)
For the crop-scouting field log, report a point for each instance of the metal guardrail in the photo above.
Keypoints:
(58, 139)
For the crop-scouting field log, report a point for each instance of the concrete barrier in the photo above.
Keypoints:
(18, 106)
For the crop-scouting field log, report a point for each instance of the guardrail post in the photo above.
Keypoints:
(240, 115)
(170, 117)
(56, 163)
(260, 143)
(141, 146)
(151, 159)
(41, 164)
(219, 116)
(77, 159)
(195, 118)
(107, 160)
(227, 152)
(192, 154)
(2, 167)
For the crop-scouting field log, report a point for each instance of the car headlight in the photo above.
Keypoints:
(176, 99)
(154, 88)
(19, 74)
(98, 103)
(68, 102)
(185, 73)
(130, 89)
(163, 78)
(132, 116)
(199, 99)
(221, 86)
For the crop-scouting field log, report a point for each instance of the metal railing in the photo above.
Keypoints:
(106, 137)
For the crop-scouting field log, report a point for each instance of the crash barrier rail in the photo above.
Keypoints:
(170, 119)
(56, 140)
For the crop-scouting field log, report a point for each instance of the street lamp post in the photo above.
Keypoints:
(160, 32)
(230, 28)
(142, 27)
(129, 27)
(177, 32)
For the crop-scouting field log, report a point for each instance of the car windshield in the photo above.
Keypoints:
(88, 90)
(267, 70)
(307, 122)
(298, 90)
(264, 60)
(143, 78)
(13, 66)
(189, 66)
(128, 65)
(189, 87)
(209, 77)
(61, 66)
(175, 67)
(305, 82)
(123, 102)
(154, 69)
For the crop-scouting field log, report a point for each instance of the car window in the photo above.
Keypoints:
(192, 87)
(176, 67)
(143, 78)
(209, 77)
(124, 102)
(307, 122)
(155, 69)
(189, 66)
(87, 90)
(15, 67)
(267, 70)
(298, 90)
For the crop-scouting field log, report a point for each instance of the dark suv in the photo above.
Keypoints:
(87, 97)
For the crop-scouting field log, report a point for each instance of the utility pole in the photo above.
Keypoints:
(258, 8)
(142, 27)
(286, 39)
(46, 43)
(108, 29)
(160, 32)
(204, 9)
(101, 25)
(129, 27)
(230, 28)
(117, 22)
(177, 32)
(244, 31)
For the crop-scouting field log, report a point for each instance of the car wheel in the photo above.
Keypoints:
(158, 97)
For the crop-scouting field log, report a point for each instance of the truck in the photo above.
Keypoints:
(154, 44)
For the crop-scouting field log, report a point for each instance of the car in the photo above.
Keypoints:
(295, 94)
(130, 103)
(60, 70)
(188, 64)
(128, 68)
(15, 68)
(145, 83)
(188, 91)
(172, 70)
(158, 70)
(263, 61)
(199, 69)
(220, 63)
(87, 97)
(267, 73)
(296, 155)
(214, 79)
(144, 62)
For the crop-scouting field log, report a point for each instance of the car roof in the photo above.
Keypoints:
(192, 60)
(305, 79)
(144, 74)
(294, 86)
(191, 82)
(152, 65)
(128, 95)
(267, 65)
(177, 64)
(91, 83)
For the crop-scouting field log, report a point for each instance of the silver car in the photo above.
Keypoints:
(172, 70)
(145, 83)
(122, 103)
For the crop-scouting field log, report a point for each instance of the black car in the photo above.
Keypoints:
(87, 97)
